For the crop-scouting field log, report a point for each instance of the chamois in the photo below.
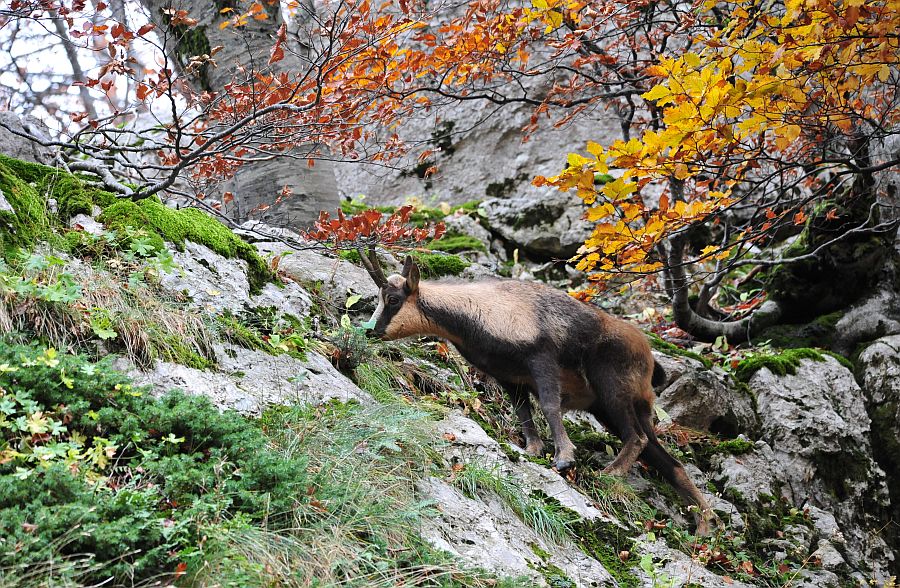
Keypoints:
(536, 339)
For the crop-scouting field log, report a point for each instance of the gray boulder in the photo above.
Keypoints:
(338, 279)
(18, 147)
(248, 381)
(216, 284)
(547, 225)
(705, 399)
(816, 424)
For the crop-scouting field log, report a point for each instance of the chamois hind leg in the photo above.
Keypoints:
(671, 469)
(519, 396)
(545, 373)
(615, 408)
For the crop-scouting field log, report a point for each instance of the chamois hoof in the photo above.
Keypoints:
(707, 523)
(562, 465)
(536, 450)
(615, 471)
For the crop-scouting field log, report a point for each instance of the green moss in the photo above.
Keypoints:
(726, 447)
(456, 243)
(357, 206)
(26, 171)
(470, 206)
(604, 541)
(783, 364)
(29, 221)
(192, 42)
(74, 196)
(233, 331)
(434, 265)
(187, 224)
(172, 349)
(656, 342)
(819, 332)
(351, 255)
(538, 551)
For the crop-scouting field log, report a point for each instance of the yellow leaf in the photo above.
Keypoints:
(576, 160)
(657, 94)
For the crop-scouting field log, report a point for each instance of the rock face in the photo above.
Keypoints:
(215, 283)
(338, 279)
(817, 429)
(17, 147)
(875, 315)
(545, 225)
(879, 374)
(704, 399)
(248, 381)
(481, 155)
(486, 532)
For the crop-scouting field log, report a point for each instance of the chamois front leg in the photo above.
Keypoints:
(545, 373)
(522, 403)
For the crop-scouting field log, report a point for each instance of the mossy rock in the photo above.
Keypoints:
(656, 342)
(187, 224)
(781, 364)
(837, 275)
(434, 265)
(456, 243)
(819, 332)
(74, 196)
(29, 221)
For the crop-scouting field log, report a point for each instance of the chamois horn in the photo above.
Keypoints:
(373, 267)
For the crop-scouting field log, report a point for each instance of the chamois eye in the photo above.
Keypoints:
(393, 300)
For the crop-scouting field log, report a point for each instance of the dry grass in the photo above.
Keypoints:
(149, 324)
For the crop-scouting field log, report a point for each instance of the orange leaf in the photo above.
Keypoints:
(277, 53)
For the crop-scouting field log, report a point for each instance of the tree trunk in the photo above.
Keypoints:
(260, 183)
(843, 271)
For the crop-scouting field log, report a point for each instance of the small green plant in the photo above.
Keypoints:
(351, 345)
(659, 579)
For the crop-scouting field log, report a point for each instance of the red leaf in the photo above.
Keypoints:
(146, 29)
(277, 53)
(180, 569)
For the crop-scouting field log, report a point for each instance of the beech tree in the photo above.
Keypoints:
(742, 121)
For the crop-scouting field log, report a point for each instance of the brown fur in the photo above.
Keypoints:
(536, 340)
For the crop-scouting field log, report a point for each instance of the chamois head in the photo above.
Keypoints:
(397, 315)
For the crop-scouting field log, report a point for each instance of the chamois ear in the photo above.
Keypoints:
(411, 272)
(408, 263)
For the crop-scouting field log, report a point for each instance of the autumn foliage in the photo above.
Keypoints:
(773, 108)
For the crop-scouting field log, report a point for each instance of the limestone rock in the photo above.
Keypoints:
(547, 225)
(816, 424)
(248, 381)
(486, 533)
(338, 278)
(481, 154)
(215, 283)
(706, 399)
(17, 147)
(676, 569)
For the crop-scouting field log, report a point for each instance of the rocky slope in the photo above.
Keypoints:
(792, 454)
